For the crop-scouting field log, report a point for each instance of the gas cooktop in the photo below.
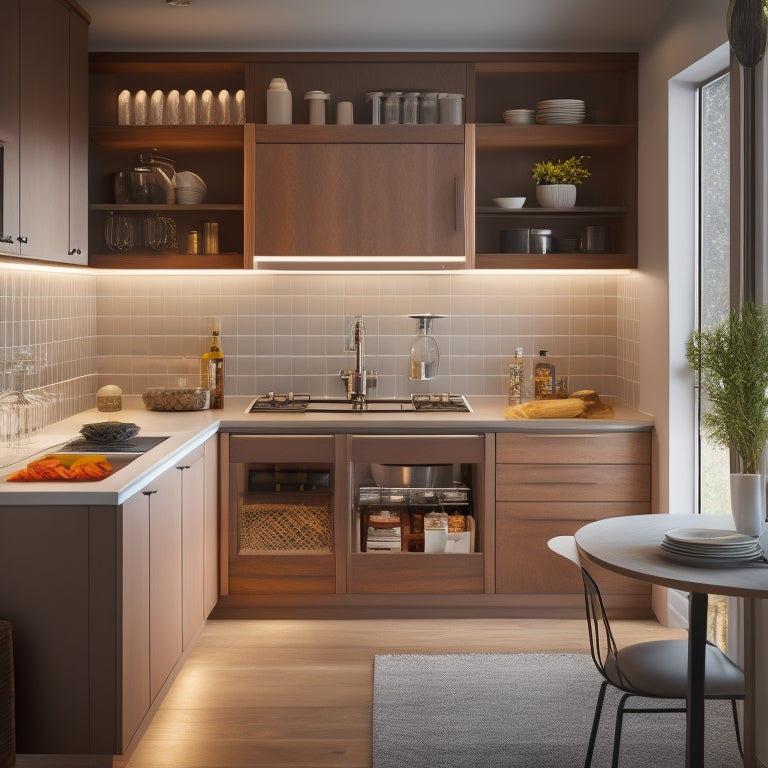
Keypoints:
(303, 403)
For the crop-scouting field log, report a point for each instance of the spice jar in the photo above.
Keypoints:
(193, 242)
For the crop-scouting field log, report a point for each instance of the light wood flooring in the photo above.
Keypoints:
(297, 694)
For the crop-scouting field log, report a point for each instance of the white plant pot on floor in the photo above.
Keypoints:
(748, 503)
(556, 195)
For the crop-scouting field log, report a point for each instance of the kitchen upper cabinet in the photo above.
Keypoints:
(343, 191)
(43, 132)
(369, 195)
(505, 153)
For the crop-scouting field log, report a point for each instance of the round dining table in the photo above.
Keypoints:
(631, 546)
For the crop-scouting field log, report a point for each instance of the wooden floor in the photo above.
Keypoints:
(297, 694)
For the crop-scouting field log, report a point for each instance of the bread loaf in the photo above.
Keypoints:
(567, 408)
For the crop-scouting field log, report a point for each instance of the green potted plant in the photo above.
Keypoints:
(731, 360)
(556, 180)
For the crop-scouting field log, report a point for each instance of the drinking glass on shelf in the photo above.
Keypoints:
(156, 107)
(239, 111)
(223, 108)
(124, 108)
(172, 114)
(189, 108)
(205, 108)
(126, 233)
(140, 108)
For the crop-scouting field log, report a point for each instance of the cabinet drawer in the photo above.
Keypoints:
(569, 510)
(281, 448)
(526, 565)
(574, 482)
(605, 448)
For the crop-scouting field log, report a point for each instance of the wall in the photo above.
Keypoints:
(286, 332)
(691, 30)
(48, 324)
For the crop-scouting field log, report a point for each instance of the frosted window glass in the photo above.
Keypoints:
(714, 269)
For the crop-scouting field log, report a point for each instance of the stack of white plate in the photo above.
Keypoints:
(560, 111)
(701, 546)
(519, 116)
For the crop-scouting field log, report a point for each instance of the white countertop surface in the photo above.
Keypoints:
(188, 430)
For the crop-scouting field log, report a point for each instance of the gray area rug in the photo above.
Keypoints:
(526, 710)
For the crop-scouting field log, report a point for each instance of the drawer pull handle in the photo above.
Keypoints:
(148, 493)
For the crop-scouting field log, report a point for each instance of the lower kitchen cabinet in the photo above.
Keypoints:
(152, 594)
(282, 535)
(103, 601)
(524, 488)
(552, 484)
(165, 527)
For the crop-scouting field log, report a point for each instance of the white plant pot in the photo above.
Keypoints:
(748, 503)
(556, 195)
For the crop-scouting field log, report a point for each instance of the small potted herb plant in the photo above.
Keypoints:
(556, 181)
(732, 362)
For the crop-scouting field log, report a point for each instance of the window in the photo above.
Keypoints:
(713, 289)
(713, 294)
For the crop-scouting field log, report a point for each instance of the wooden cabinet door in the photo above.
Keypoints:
(211, 523)
(135, 614)
(9, 128)
(77, 253)
(192, 545)
(44, 130)
(165, 578)
(359, 199)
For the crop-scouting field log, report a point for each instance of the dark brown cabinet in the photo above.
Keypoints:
(43, 131)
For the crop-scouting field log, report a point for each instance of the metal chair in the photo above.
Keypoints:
(653, 670)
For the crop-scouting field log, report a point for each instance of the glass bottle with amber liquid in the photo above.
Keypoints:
(212, 370)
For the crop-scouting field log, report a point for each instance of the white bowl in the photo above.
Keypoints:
(189, 195)
(509, 202)
(189, 179)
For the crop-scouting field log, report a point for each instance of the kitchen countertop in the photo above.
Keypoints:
(189, 430)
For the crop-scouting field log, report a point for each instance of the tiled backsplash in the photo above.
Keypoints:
(287, 332)
(48, 325)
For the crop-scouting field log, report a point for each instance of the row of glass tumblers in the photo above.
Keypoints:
(174, 108)
(411, 107)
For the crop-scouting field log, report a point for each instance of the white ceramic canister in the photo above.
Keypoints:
(279, 103)
(345, 113)
(317, 101)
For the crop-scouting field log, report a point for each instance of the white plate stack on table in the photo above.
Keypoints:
(560, 112)
(698, 546)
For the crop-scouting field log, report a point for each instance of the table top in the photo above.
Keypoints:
(631, 546)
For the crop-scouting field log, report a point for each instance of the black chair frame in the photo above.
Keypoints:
(603, 647)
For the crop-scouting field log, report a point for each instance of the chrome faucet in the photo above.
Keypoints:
(358, 380)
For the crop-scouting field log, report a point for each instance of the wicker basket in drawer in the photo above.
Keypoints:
(286, 527)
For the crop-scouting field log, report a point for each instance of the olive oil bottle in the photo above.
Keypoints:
(212, 369)
(544, 381)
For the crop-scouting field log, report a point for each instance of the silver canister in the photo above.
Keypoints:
(541, 241)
